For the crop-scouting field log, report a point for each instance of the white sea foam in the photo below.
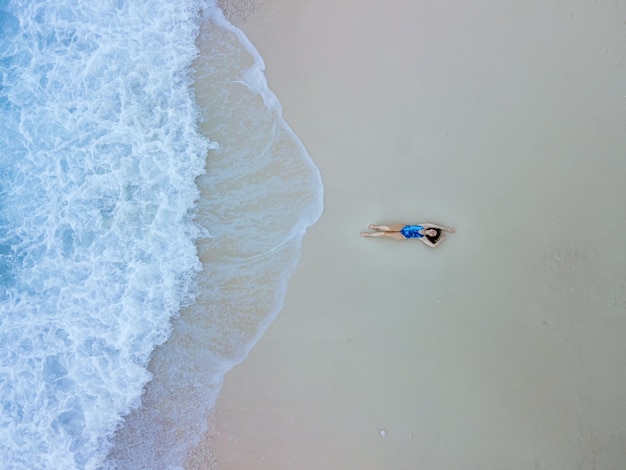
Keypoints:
(100, 152)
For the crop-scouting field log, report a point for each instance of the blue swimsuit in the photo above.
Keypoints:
(412, 231)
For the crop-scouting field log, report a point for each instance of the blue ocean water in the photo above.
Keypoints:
(151, 196)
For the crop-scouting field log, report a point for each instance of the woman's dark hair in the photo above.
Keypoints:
(433, 239)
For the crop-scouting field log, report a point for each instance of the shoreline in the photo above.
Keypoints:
(494, 350)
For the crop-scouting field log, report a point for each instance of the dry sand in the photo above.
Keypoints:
(505, 347)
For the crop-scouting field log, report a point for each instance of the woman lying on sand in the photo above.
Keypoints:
(430, 234)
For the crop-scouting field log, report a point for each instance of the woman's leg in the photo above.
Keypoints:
(394, 235)
(388, 228)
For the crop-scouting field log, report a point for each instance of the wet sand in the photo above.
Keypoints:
(502, 348)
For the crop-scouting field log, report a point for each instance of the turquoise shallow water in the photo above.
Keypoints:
(151, 196)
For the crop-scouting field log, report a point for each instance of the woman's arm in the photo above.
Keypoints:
(440, 227)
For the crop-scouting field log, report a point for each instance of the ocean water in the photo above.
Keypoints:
(152, 208)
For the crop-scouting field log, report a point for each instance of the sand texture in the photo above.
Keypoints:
(505, 346)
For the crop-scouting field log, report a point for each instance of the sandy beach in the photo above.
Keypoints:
(502, 348)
